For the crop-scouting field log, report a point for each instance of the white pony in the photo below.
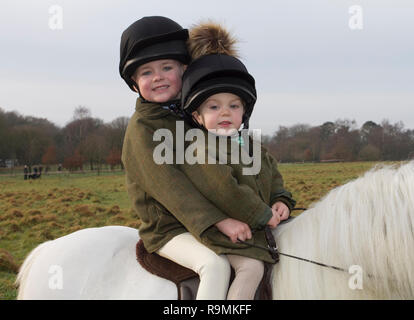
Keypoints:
(364, 226)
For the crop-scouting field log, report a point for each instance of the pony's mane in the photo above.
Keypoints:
(367, 222)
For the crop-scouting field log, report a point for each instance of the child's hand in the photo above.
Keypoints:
(281, 209)
(234, 229)
(274, 220)
(280, 212)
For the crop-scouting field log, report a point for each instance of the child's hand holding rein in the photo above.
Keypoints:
(280, 212)
(234, 229)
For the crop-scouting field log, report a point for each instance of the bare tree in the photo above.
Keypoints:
(81, 112)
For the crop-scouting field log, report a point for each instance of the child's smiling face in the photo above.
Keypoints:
(159, 80)
(222, 112)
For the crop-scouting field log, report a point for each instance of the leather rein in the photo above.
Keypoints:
(274, 250)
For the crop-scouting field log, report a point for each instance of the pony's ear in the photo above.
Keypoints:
(210, 38)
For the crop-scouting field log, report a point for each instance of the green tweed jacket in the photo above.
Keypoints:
(171, 199)
(239, 195)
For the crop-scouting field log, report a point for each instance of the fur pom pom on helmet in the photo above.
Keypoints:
(210, 38)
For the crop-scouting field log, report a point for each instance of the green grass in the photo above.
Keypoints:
(309, 182)
(34, 211)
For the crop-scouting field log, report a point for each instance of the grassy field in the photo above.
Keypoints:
(34, 211)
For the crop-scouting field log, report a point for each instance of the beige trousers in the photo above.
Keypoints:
(214, 270)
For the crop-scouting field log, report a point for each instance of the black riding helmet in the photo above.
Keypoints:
(216, 73)
(148, 39)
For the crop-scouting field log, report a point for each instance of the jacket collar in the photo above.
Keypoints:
(153, 110)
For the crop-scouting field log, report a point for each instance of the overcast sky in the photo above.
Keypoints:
(310, 65)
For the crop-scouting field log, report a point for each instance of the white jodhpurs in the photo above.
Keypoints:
(213, 270)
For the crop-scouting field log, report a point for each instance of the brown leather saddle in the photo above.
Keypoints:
(187, 280)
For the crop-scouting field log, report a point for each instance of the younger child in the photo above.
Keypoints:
(219, 94)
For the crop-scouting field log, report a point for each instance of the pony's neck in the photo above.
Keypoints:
(367, 223)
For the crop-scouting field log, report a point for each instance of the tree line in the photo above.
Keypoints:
(342, 140)
(84, 141)
(88, 141)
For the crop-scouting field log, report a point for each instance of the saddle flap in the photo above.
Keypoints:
(161, 266)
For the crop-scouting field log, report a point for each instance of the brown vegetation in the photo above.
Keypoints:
(7, 262)
(342, 141)
(32, 141)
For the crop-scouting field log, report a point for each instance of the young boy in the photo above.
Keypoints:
(219, 94)
(173, 213)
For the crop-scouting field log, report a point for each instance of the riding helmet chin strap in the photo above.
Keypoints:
(174, 107)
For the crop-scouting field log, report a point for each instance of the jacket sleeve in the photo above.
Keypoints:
(218, 183)
(278, 192)
(165, 182)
